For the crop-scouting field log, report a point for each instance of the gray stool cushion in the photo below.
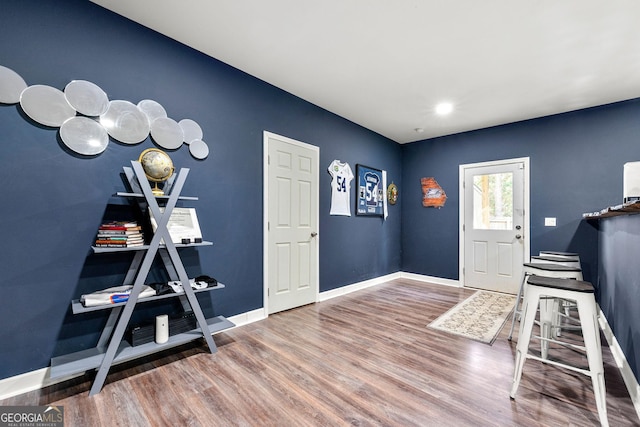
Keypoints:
(560, 253)
(550, 267)
(565, 284)
(552, 258)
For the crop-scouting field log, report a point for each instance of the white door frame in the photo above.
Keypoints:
(526, 226)
(265, 215)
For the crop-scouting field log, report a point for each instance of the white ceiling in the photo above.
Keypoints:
(385, 64)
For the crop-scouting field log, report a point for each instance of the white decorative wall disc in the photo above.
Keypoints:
(11, 86)
(87, 98)
(167, 133)
(84, 135)
(152, 109)
(46, 105)
(191, 130)
(125, 122)
(199, 149)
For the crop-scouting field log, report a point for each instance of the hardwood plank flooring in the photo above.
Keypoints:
(364, 359)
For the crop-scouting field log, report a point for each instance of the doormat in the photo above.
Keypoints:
(479, 317)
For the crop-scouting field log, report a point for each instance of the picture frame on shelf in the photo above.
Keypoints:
(183, 225)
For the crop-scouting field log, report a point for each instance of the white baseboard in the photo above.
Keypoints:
(248, 317)
(621, 362)
(431, 279)
(29, 381)
(344, 290)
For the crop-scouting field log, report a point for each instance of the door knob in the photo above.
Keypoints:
(518, 227)
(314, 234)
(518, 236)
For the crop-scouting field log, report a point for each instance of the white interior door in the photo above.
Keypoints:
(291, 205)
(495, 228)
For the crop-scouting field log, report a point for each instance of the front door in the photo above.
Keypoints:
(495, 224)
(291, 204)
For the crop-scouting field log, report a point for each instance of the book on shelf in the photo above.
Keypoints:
(116, 228)
(113, 232)
(118, 237)
(119, 224)
(107, 236)
(119, 234)
(117, 245)
(119, 241)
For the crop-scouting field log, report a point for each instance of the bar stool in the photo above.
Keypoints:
(571, 259)
(541, 269)
(538, 288)
(566, 255)
(553, 259)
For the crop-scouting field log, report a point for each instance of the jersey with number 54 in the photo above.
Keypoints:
(340, 188)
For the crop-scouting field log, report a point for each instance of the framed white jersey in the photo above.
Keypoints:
(340, 188)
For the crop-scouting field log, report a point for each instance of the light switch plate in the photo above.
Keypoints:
(549, 222)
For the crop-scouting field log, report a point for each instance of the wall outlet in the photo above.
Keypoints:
(549, 222)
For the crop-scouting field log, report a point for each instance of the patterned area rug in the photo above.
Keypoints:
(480, 317)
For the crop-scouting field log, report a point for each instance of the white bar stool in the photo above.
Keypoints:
(541, 269)
(566, 255)
(570, 262)
(571, 259)
(537, 288)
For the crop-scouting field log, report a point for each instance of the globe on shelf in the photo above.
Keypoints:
(157, 166)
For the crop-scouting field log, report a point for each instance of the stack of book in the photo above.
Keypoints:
(119, 234)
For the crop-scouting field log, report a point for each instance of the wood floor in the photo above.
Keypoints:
(365, 359)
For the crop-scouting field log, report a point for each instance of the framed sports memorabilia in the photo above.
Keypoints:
(370, 197)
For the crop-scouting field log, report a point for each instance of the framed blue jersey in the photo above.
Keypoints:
(370, 200)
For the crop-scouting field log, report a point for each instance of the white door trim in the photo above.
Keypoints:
(265, 214)
(526, 225)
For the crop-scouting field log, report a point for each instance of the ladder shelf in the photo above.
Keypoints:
(112, 348)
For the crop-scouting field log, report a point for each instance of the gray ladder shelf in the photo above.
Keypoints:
(111, 348)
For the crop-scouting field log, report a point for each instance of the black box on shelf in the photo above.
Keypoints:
(178, 324)
(141, 334)
(182, 323)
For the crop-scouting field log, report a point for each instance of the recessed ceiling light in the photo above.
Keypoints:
(444, 108)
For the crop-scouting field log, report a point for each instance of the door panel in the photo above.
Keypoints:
(493, 224)
(505, 259)
(291, 202)
(283, 198)
(480, 257)
(283, 262)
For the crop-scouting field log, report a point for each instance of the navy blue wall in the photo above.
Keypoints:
(619, 282)
(53, 201)
(577, 163)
